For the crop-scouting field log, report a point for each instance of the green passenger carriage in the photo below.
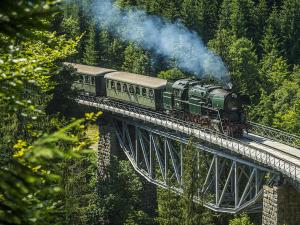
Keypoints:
(136, 89)
(91, 79)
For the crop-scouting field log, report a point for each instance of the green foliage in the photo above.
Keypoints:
(29, 183)
(19, 18)
(171, 9)
(242, 62)
(242, 21)
(30, 169)
(242, 219)
(256, 39)
(169, 208)
(174, 209)
(136, 60)
(194, 164)
(90, 54)
(119, 196)
(243, 67)
(171, 74)
(29, 64)
(70, 25)
(63, 92)
(201, 16)
(274, 69)
(221, 44)
(290, 30)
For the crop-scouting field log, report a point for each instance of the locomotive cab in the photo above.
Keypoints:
(180, 93)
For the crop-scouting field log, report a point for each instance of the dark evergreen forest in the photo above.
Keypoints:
(257, 40)
(48, 168)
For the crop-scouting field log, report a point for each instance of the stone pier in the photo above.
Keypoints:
(281, 205)
(107, 146)
(104, 149)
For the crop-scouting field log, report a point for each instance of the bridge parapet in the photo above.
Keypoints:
(275, 134)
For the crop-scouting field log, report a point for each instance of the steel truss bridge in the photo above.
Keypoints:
(235, 169)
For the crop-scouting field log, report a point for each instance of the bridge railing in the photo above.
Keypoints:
(256, 154)
(275, 134)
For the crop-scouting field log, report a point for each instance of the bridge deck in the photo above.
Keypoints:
(281, 150)
(277, 156)
(273, 144)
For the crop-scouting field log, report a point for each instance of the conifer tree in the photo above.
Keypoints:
(239, 17)
(225, 13)
(273, 71)
(116, 53)
(169, 208)
(201, 16)
(242, 18)
(126, 3)
(221, 44)
(103, 48)
(261, 15)
(290, 30)
(243, 68)
(136, 60)
(90, 54)
(171, 9)
(193, 170)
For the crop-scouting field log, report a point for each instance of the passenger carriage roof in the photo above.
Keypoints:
(89, 70)
(136, 79)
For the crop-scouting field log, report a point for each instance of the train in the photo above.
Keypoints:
(208, 105)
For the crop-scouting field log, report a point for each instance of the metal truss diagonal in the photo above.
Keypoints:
(232, 183)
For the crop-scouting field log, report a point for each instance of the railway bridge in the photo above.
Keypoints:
(260, 171)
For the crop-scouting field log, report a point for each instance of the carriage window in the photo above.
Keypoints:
(80, 79)
(151, 93)
(137, 90)
(112, 85)
(144, 92)
(131, 89)
(93, 80)
(124, 87)
(118, 86)
(87, 79)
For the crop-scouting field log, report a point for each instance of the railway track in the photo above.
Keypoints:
(262, 131)
(292, 152)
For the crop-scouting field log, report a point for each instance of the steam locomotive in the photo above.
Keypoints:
(209, 105)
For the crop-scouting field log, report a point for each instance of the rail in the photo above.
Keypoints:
(289, 169)
(275, 134)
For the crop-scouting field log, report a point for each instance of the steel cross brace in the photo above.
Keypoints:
(234, 183)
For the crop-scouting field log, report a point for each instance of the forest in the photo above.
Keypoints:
(48, 168)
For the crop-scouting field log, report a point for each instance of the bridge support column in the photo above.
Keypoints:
(105, 147)
(281, 205)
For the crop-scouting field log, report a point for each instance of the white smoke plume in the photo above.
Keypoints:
(172, 40)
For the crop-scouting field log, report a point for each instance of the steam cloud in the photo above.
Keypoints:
(172, 40)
